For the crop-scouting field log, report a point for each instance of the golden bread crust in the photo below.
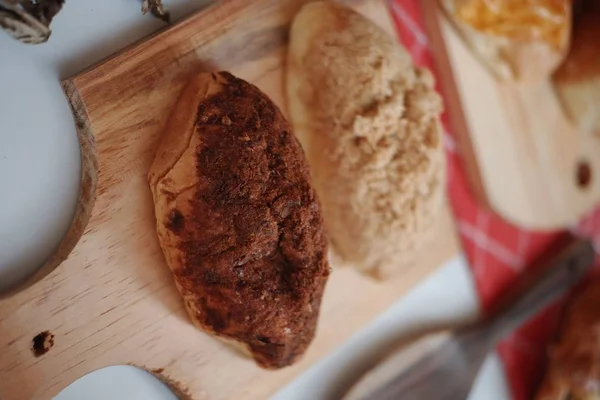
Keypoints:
(574, 361)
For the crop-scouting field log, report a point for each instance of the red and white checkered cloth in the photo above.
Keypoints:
(496, 250)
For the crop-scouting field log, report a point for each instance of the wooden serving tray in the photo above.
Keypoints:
(525, 160)
(113, 300)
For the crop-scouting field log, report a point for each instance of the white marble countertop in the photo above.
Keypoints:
(39, 178)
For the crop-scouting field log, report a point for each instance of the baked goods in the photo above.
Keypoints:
(368, 121)
(238, 222)
(577, 81)
(574, 365)
(522, 40)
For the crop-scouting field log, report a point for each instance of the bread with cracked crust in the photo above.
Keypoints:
(238, 221)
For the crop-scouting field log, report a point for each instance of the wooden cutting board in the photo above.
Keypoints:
(524, 158)
(113, 301)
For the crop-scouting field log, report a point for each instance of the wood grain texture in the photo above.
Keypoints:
(521, 151)
(113, 301)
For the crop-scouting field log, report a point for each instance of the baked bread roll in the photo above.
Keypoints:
(238, 222)
(514, 39)
(368, 121)
(574, 362)
(577, 81)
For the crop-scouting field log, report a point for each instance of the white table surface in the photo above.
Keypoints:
(39, 178)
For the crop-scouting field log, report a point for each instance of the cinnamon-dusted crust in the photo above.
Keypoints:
(237, 219)
(574, 365)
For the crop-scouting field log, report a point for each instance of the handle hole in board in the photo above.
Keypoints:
(583, 174)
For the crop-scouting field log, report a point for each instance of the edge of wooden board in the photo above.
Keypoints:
(155, 35)
(86, 194)
(237, 6)
(431, 14)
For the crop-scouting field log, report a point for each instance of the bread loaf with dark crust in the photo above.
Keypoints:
(238, 221)
(574, 360)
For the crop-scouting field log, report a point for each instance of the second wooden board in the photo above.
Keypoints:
(113, 301)
(525, 160)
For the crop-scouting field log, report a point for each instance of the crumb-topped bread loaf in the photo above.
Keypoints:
(368, 120)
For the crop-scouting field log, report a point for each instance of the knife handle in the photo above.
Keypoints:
(550, 278)
(449, 371)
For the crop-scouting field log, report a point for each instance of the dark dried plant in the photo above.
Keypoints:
(29, 20)
(156, 8)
